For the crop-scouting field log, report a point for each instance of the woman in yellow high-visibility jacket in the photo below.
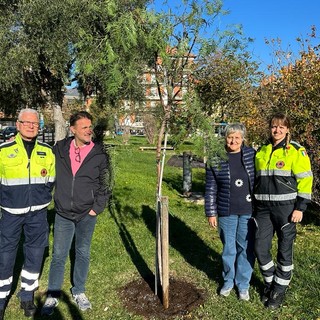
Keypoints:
(282, 191)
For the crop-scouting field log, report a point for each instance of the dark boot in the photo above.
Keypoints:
(266, 294)
(29, 308)
(1, 314)
(275, 300)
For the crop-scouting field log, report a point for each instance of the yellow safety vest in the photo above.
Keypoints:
(283, 174)
(26, 184)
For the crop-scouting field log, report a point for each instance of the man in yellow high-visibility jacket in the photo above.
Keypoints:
(27, 173)
(282, 191)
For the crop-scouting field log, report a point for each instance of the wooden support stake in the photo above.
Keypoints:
(165, 251)
(158, 271)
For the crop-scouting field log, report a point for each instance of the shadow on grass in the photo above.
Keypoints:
(194, 250)
(57, 315)
(181, 237)
(142, 267)
(312, 215)
(175, 181)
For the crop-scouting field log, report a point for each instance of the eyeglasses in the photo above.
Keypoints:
(29, 123)
(77, 152)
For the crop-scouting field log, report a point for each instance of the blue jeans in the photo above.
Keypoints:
(64, 231)
(237, 236)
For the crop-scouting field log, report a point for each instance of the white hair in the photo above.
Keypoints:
(28, 110)
(235, 127)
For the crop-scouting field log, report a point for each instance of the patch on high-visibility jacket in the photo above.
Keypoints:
(303, 152)
(280, 164)
(41, 153)
(43, 172)
(12, 155)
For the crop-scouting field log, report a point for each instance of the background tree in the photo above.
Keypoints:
(44, 44)
(226, 84)
(119, 42)
(37, 54)
(177, 38)
(110, 53)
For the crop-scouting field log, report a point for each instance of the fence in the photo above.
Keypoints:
(47, 137)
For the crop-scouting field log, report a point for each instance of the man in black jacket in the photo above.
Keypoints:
(81, 194)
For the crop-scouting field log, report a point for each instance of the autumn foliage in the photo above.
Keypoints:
(228, 94)
(295, 90)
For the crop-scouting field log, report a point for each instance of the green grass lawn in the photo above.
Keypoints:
(123, 249)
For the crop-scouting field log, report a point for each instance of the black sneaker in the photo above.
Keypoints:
(275, 300)
(29, 308)
(266, 294)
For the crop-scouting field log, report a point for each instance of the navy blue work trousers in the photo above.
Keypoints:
(272, 220)
(34, 227)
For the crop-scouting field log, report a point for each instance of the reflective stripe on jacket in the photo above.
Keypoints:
(283, 175)
(26, 184)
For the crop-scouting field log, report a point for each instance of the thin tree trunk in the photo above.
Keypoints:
(187, 173)
(59, 123)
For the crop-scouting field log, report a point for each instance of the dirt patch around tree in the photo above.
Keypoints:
(139, 298)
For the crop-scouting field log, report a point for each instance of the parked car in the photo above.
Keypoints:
(8, 132)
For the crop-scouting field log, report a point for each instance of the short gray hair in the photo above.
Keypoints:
(28, 110)
(235, 127)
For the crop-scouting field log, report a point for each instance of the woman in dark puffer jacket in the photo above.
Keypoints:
(229, 187)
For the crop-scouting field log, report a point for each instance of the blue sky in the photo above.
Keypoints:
(268, 19)
(271, 19)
